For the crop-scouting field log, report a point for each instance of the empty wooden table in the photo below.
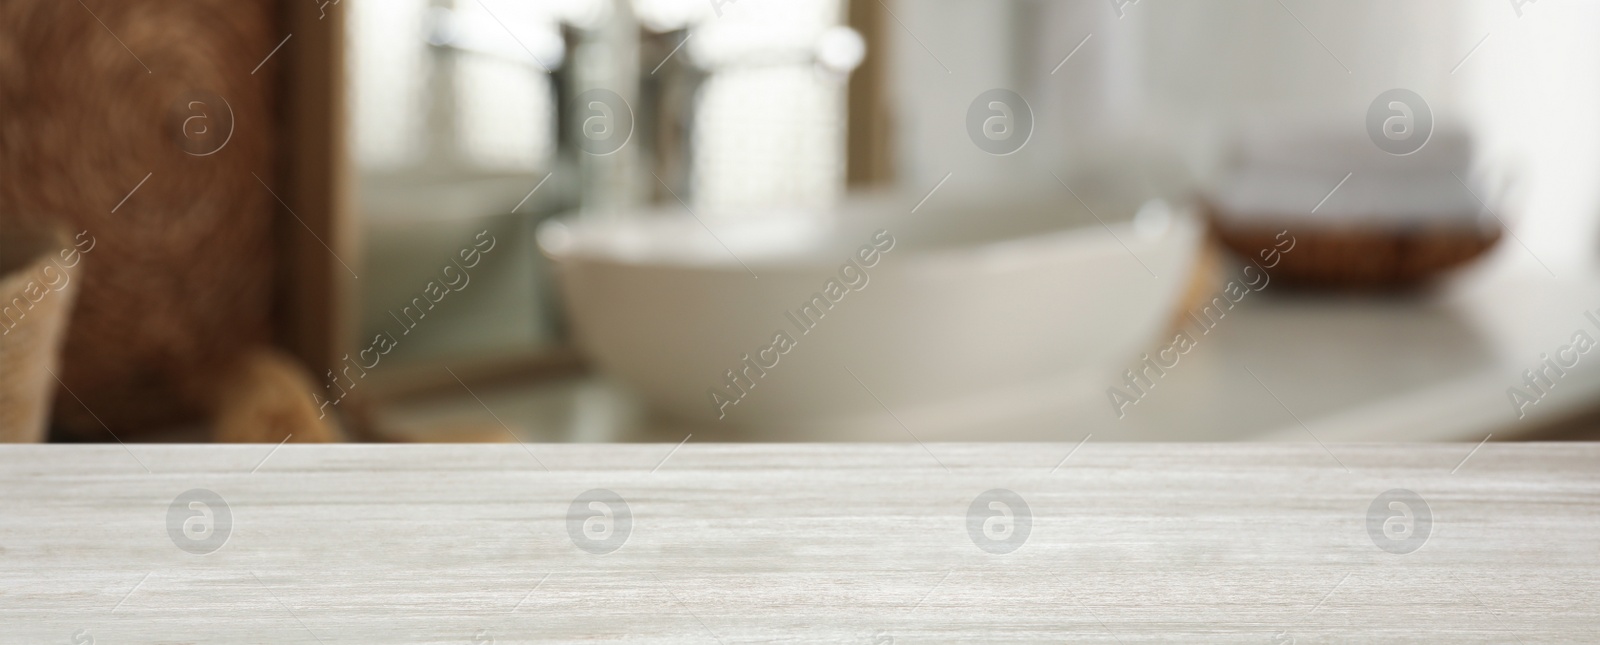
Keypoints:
(865, 543)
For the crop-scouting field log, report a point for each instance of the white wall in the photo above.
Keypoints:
(1181, 77)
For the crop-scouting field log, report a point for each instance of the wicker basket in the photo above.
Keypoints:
(38, 282)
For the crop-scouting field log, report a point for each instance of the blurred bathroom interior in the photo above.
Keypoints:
(647, 194)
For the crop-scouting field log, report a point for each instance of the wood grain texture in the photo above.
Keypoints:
(864, 543)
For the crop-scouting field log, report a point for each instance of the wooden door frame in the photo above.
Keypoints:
(319, 237)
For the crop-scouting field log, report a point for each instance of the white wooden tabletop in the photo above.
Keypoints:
(862, 543)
